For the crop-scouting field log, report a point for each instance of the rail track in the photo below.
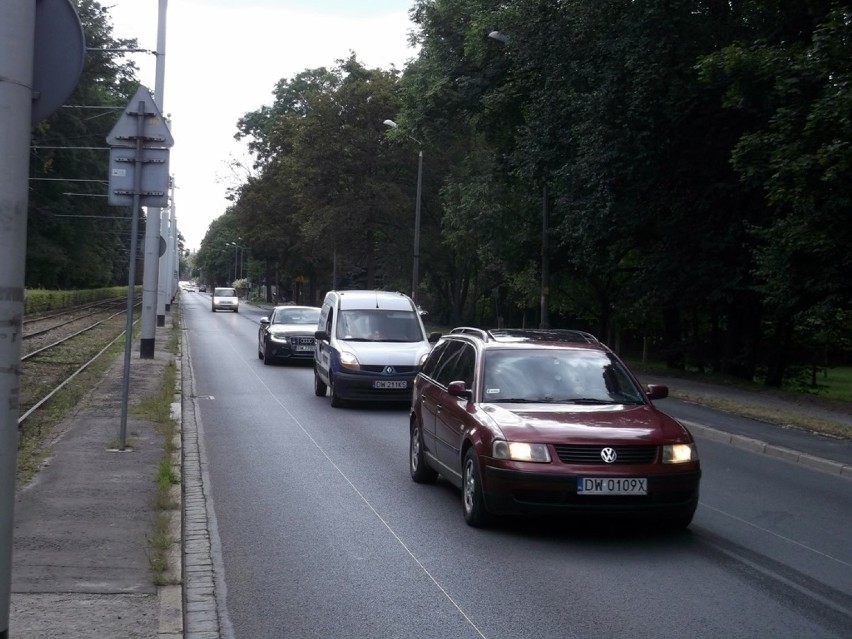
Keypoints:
(58, 347)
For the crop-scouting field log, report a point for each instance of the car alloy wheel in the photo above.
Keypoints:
(472, 501)
(420, 471)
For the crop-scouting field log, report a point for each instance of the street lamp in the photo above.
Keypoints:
(241, 249)
(415, 275)
(545, 262)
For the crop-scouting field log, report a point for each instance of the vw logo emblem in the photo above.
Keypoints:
(390, 370)
(609, 455)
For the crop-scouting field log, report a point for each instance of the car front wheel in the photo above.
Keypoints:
(420, 471)
(319, 385)
(267, 357)
(336, 400)
(473, 503)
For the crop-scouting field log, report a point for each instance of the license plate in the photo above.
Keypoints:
(612, 486)
(304, 347)
(390, 384)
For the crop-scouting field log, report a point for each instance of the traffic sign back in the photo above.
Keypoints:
(155, 132)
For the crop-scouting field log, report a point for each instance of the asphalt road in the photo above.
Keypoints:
(319, 531)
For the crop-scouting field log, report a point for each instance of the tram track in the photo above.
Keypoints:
(59, 347)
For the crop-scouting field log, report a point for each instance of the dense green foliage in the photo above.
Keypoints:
(38, 301)
(74, 238)
(669, 174)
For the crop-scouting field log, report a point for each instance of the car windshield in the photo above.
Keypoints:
(379, 325)
(296, 316)
(571, 376)
(224, 292)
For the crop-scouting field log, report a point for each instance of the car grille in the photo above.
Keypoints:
(591, 455)
(302, 340)
(398, 370)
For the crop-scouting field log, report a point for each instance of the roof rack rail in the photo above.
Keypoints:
(550, 334)
(470, 330)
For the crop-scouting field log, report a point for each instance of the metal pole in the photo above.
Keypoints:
(17, 36)
(545, 262)
(150, 285)
(415, 277)
(163, 269)
(131, 277)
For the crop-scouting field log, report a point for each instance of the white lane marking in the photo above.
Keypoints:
(775, 534)
(369, 505)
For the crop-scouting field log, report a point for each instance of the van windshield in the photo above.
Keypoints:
(379, 325)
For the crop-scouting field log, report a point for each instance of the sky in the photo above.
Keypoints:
(223, 59)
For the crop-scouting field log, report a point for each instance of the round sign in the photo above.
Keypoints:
(58, 55)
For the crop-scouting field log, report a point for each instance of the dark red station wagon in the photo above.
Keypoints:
(530, 422)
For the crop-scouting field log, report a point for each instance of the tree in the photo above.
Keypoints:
(75, 239)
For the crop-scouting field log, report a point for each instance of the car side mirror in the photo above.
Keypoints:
(264, 321)
(321, 335)
(458, 389)
(434, 337)
(657, 391)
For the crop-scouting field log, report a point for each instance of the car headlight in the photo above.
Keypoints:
(348, 360)
(279, 337)
(679, 453)
(520, 451)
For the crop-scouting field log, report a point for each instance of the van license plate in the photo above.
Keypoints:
(612, 486)
(390, 384)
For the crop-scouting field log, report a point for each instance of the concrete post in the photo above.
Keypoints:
(17, 35)
(153, 231)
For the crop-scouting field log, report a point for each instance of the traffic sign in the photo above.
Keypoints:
(154, 179)
(59, 53)
(155, 131)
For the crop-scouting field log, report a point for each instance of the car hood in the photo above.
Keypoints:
(387, 353)
(293, 329)
(567, 423)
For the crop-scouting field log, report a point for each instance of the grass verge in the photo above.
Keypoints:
(156, 409)
(41, 426)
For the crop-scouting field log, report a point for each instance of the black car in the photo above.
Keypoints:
(288, 334)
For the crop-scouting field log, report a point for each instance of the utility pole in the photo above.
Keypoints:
(151, 299)
(17, 38)
(42, 51)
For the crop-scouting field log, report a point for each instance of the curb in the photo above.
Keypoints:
(771, 450)
(170, 625)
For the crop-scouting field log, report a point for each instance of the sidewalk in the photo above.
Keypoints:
(80, 567)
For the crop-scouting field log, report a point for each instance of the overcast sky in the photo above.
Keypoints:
(223, 58)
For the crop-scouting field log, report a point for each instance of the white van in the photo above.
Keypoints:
(225, 299)
(369, 346)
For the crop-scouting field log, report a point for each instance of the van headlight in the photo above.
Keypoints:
(520, 451)
(679, 453)
(348, 360)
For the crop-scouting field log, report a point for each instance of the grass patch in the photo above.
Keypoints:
(827, 397)
(156, 408)
(40, 427)
(768, 414)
